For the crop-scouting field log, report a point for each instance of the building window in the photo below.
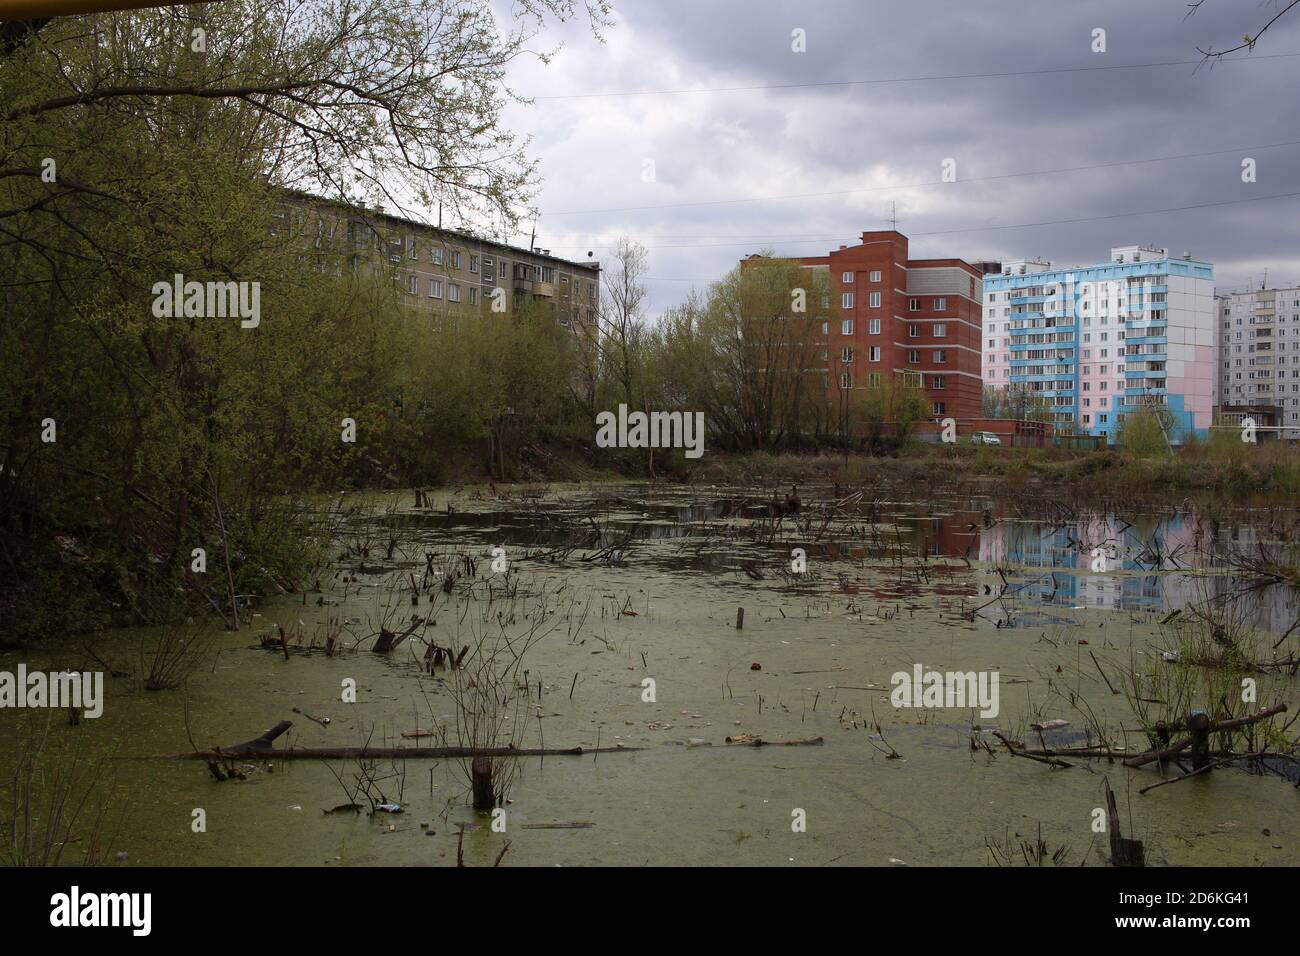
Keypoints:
(455, 260)
(913, 331)
(453, 292)
(435, 288)
(413, 285)
(503, 269)
(914, 305)
(873, 300)
(846, 278)
(435, 255)
(473, 295)
(846, 300)
(473, 263)
(873, 326)
(846, 379)
(940, 357)
(875, 277)
(939, 408)
(846, 354)
(940, 330)
(846, 327)
(940, 305)
(826, 328)
(410, 248)
(936, 381)
(874, 380)
(914, 357)
(874, 353)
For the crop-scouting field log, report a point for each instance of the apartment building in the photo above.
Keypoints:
(890, 314)
(1096, 342)
(442, 271)
(1257, 333)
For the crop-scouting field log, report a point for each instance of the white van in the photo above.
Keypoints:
(984, 438)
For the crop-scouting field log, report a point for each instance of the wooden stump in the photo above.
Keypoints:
(1198, 725)
(740, 618)
(1122, 852)
(481, 781)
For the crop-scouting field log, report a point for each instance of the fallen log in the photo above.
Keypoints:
(1051, 761)
(1162, 754)
(262, 747)
(1078, 752)
(1215, 727)
(744, 741)
(1219, 762)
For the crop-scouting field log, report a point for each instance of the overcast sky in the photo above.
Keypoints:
(872, 144)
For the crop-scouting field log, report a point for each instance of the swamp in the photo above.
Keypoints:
(624, 672)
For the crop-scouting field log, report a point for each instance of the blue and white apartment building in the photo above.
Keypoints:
(1097, 341)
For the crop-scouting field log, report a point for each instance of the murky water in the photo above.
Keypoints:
(621, 584)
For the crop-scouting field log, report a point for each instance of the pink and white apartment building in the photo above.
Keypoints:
(1096, 342)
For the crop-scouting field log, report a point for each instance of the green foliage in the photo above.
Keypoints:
(748, 355)
(176, 433)
(1014, 402)
(1146, 432)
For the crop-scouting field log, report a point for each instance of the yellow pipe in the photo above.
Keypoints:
(28, 9)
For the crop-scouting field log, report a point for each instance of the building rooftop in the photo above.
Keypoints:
(468, 237)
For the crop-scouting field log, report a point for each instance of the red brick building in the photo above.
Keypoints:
(889, 313)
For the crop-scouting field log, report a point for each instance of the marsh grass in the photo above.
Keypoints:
(56, 800)
(1208, 658)
(168, 660)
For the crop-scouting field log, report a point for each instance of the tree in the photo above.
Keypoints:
(138, 146)
(1248, 39)
(764, 323)
(1147, 431)
(891, 409)
(1016, 402)
(621, 330)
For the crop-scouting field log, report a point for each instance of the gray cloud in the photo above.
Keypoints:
(884, 137)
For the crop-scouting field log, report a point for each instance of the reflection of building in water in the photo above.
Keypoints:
(1088, 554)
(1274, 608)
(1055, 563)
(936, 536)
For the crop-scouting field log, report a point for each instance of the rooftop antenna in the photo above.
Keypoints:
(1264, 285)
(893, 216)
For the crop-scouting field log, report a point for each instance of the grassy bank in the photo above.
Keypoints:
(85, 577)
(1239, 471)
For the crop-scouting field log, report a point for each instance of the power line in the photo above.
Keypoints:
(952, 232)
(920, 185)
(916, 79)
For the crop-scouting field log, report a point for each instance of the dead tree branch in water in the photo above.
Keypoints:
(263, 747)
